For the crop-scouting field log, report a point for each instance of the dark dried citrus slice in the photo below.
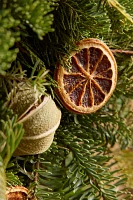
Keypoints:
(92, 78)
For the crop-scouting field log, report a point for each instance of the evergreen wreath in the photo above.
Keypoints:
(34, 36)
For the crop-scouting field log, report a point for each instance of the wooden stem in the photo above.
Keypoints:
(36, 173)
(122, 51)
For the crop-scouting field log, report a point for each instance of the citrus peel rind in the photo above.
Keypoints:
(17, 193)
(40, 125)
(40, 118)
(90, 82)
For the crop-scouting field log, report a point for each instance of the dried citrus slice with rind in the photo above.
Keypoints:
(90, 82)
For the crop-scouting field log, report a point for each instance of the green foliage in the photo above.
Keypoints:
(7, 40)
(2, 181)
(89, 23)
(10, 135)
(125, 162)
(35, 14)
(125, 81)
(120, 8)
(77, 166)
(15, 17)
(12, 179)
(119, 36)
(74, 168)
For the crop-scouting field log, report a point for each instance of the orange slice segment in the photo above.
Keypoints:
(92, 79)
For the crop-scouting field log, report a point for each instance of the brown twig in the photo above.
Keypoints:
(36, 173)
(36, 176)
(122, 51)
(31, 194)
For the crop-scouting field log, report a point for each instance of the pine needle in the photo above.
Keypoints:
(120, 8)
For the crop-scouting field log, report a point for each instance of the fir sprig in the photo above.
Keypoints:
(12, 179)
(2, 181)
(120, 8)
(7, 40)
(15, 17)
(35, 14)
(11, 134)
(74, 168)
(62, 41)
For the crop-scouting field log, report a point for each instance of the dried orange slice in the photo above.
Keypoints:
(90, 82)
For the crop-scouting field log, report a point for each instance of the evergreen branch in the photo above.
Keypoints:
(82, 175)
(39, 78)
(79, 170)
(2, 181)
(15, 17)
(120, 8)
(89, 163)
(101, 2)
(12, 179)
(37, 16)
(62, 41)
(125, 82)
(7, 41)
(11, 134)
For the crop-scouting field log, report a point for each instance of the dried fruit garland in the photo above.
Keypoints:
(92, 79)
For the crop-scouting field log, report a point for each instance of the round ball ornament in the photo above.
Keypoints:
(40, 118)
(91, 80)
